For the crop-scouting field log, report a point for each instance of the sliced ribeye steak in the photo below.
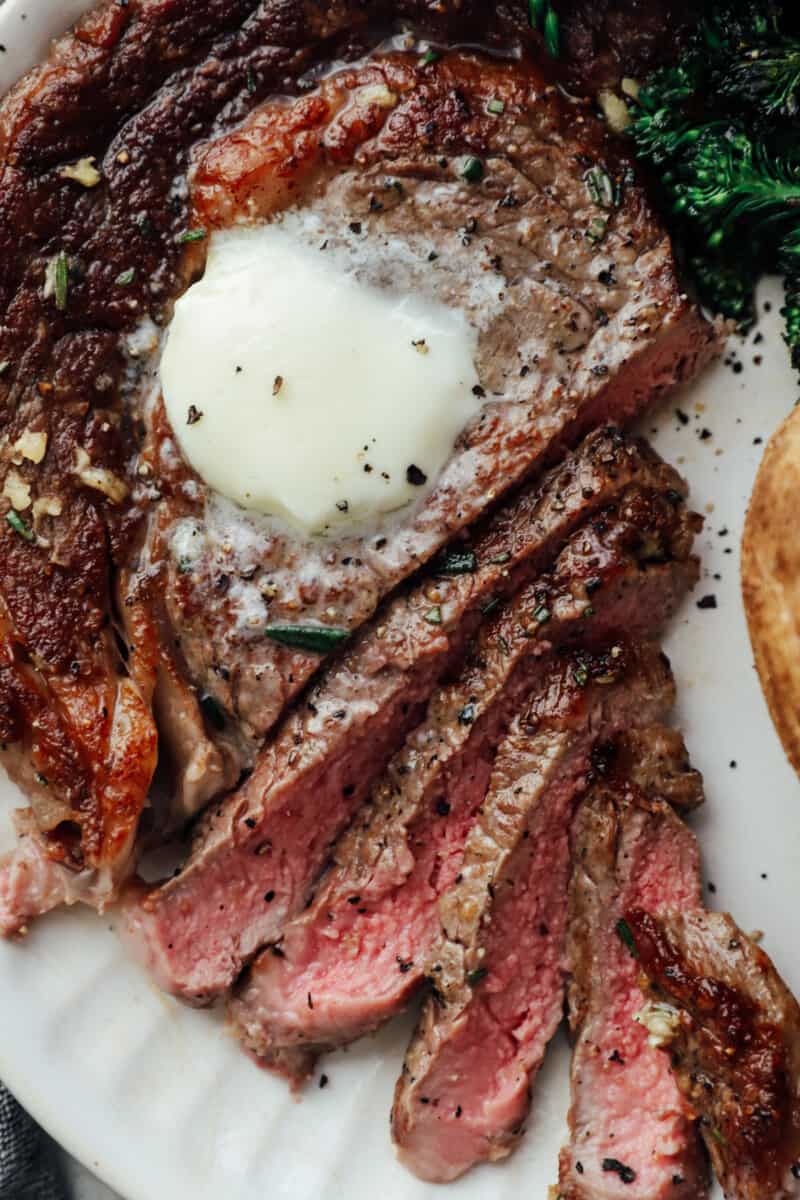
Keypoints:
(275, 834)
(731, 1032)
(498, 965)
(573, 326)
(629, 1131)
(355, 956)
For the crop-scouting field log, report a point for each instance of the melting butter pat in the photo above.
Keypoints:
(297, 389)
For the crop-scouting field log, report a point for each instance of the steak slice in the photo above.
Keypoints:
(498, 966)
(357, 954)
(731, 1030)
(570, 331)
(629, 1132)
(274, 834)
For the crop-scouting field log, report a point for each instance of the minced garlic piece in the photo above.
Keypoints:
(615, 111)
(47, 506)
(31, 445)
(377, 93)
(630, 87)
(99, 478)
(661, 1022)
(49, 279)
(17, 491)
(83, 172)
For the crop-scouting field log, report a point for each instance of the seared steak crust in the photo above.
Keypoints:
(498, 967)
(61, 381)
(325, 756)
(733, 1044)
(362, 947)
(629, 1133)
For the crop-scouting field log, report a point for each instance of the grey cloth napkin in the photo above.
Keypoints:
(27, 1168)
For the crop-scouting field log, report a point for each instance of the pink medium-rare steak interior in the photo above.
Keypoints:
(629, 1132)
(324, 757)
(498, 966)
(377, 907)
(469, 1100)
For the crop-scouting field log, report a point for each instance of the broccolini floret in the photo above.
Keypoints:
(720, 131)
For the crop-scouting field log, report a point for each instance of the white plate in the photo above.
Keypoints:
(157, 1099)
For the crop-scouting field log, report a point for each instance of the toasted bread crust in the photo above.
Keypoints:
(771, 581)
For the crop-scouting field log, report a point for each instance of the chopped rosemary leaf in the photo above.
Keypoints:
(4, 365)
(251, 81)
(542, 16)
(434, 615)
(537, 10)
(430, 56)
(477, 975)
(552, 34)
(318, 638)
(580, 675)
(472, 169)
(625, 935)
(718, 1135)
(601, 187)
(597, 230)
(456, 562)
(18, 525)
(126, 277)
(190, 235)
(61, 280)
(542, 615)
(496, 107)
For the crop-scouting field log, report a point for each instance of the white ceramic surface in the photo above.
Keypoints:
(157, 1100)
